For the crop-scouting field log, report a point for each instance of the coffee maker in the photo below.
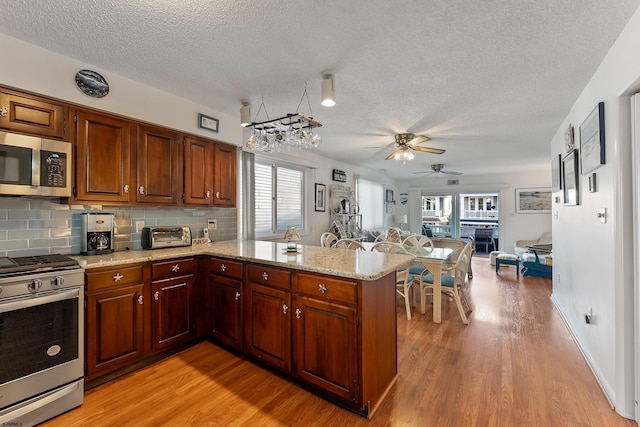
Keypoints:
(96, 233)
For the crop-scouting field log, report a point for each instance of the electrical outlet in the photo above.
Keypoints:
(212, 224)
(139, 226)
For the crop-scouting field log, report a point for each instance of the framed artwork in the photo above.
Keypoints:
(339, 176)
(389, 208)
(592, 141)
(209, 123)
(570, 178)
(569, 143)
(533, 200)
(321, 192)
(556, 176)
(389, 196)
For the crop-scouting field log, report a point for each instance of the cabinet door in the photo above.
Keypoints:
(225, 175)
(226, 316)
(198, 171)
(172, 316)
(158, 165)
(325, 346)
(114, 328)
(267, 325)
(33, 116)
(102, 158)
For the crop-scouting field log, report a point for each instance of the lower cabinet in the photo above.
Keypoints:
(114, 319)
(225, 286)
(172, 317)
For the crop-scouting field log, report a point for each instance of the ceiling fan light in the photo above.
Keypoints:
(245, 114)
(408, 155)
(328, 90)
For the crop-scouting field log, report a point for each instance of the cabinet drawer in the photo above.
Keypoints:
(114, 277)
(225, 267)
(269, 276)
(173, 268)
(326, 287)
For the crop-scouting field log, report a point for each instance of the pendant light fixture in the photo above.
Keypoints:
(328, 90)
(245, 113)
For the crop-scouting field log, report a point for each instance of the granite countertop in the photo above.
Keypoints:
(350, 263)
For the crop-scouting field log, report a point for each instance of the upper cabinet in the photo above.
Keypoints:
(103, 150)
(198, 171)
(157, 165)
(33, 115)
(225, 175)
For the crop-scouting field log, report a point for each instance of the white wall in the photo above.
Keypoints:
(513, 226)
(593, 262)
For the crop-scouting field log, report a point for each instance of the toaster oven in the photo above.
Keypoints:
(165, 237)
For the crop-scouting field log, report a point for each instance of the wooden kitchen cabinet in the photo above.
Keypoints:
(173, 318)
(114, 319)
(198, 171)
(225, 282)
(158, 162)
(225, 175)
(103, 152)
(267, 315)
(33, 115)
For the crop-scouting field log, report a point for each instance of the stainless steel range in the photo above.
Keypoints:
(41, 338)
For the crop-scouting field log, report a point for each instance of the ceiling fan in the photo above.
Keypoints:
(439, 168)
(406, 142)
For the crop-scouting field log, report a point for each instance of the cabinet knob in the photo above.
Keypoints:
(117, 277)
(223, 267)
(284, 308)
(298, 313)
(237, 295)
(126, 189)
(265, 276)
(141, 189)
(140, 299)
(208, 194)
(175, 268)
(322, 288)
(217, 194)
(3, 111)
(156, 295)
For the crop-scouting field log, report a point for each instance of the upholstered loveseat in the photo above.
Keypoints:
(520, 246)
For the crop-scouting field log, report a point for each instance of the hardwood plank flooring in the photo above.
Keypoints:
(515, 364)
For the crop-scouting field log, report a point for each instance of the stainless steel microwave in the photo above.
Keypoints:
(32, 166)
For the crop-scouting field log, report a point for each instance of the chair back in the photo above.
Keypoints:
(426, 230)
(450, 242)
(390, 248)
(416, 243)
(483, 234)
(348, 244)
(328, 239)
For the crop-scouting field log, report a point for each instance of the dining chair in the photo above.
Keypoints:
(348, 244)
(404, 277)
(328, 239)
(484, 237)
(416, 243)
(454, 283)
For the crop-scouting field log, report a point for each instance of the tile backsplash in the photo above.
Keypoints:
(46, 226)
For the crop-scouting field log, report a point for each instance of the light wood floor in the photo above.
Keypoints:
(515, 364)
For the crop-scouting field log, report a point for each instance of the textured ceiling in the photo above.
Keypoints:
(488, 81)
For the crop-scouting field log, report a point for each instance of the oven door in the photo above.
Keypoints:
(41, 343)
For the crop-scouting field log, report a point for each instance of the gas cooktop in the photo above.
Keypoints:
(36, 263)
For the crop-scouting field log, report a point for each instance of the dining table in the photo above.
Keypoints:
(432, 258)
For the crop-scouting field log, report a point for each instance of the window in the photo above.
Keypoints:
(278, 197)
(371, 203)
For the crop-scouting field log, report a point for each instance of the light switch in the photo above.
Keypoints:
(602, 214)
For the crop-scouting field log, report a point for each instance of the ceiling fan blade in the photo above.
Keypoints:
(425, 172)
(418, 140)
(393, 154)
(393, 144)
(451, 173)
(429, 150)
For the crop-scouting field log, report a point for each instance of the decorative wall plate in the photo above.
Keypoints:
(92, 83)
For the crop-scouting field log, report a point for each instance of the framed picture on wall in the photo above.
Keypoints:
(533, 200)
(389, 196)
(592, 141)
(321, 192)
(556, 176)
(570, 178)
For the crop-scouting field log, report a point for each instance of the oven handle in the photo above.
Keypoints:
(38, 300)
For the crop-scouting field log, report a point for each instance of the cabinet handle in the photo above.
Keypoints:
(3, 112)
(141, 189)
(223, 267)
(140, 299)
(237, 295)
(117, 277)
(175, 268)
(265, 276)
(322, 288)
(156, 295)
(208, 194)
(217, 194)
(126, 189)
(298, 313)
(284, 308)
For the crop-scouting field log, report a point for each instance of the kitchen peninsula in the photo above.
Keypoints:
(324, 318)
